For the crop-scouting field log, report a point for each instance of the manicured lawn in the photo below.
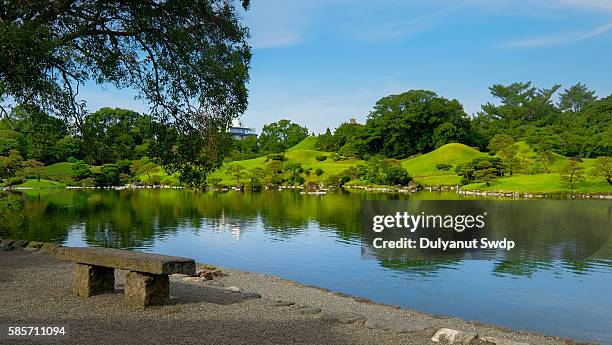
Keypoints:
(59, 170)
(541, 183)
(42, 184)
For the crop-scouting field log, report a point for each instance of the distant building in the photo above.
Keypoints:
(352, 121)
(238, 131)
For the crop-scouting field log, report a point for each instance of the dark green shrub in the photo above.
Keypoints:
(319, 172)
(321, 158)
(444, 167)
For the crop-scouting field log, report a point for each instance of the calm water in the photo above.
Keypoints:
(316, 240)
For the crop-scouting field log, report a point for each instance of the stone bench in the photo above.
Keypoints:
(146, 283)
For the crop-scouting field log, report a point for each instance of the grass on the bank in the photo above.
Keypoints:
(42, 184)
(542, 183)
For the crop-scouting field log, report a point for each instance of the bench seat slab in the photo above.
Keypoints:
(127, 260)
(143, 290)
(93, 280)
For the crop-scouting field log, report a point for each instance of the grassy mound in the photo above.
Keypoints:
(309, 143)
(423, 167)
(42, 184)
(59, 171)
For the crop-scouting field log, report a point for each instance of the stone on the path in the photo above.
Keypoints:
(451, 336)
(280, 303)
(123, 259)
(142, 290)
(20, 244)
(343, 317)
(35, 245)
(93, 280)
(5, 244)
(309, 310)
(396, 325)
(233, 289)
(250, 294)
(49, 247)
(498, 341)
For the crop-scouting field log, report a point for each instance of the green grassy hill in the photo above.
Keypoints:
(423, 167)
(59, 171)
(42, 184)
(302, 153)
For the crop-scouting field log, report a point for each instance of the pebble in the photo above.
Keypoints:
(309, 310)
(395, 325)
(343, 317)
(451, 336)
(249, 294)
(233, 289)
(280, 303)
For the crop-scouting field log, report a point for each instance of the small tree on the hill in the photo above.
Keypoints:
(603, 168)
(32, 167)
(236, 171)
(256, 174)
(572, 173)
(524, 159)
(485, 172)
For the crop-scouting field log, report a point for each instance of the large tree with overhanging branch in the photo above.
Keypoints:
(188, 59)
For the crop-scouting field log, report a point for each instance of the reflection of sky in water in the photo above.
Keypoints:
(564, 298)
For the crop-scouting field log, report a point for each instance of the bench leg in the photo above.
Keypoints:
(143, 290)
(93, 280)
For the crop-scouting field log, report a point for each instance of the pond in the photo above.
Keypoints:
(317, 240)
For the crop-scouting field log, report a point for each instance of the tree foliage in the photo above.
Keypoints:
(188, 60)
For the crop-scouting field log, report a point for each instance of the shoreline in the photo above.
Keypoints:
(266, 296)
(369, 189)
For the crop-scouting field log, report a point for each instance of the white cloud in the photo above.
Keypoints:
(547, 41)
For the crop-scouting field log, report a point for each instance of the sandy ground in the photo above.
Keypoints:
(35, 290)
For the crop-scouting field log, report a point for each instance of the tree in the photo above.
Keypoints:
(524, 159)
(500, 142)
(108, 176)
(32, 167)
(11, 164)
(38, 132)
(603, 168)
(576, 98)
(81, 170)
(113, 134)
(188, 59)
(236, 171)
(485, 172)
(571, 173)
(257, 174)
(395, 174)
(144, 166)
(402, 125)
(466, 171)
(275, 169)
(281, 135)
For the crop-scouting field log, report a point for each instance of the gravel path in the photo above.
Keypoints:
(35, 289)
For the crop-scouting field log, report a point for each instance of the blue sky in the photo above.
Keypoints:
(321, 62)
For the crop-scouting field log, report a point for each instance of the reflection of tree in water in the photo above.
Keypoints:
(135, 219)
(420, 266)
